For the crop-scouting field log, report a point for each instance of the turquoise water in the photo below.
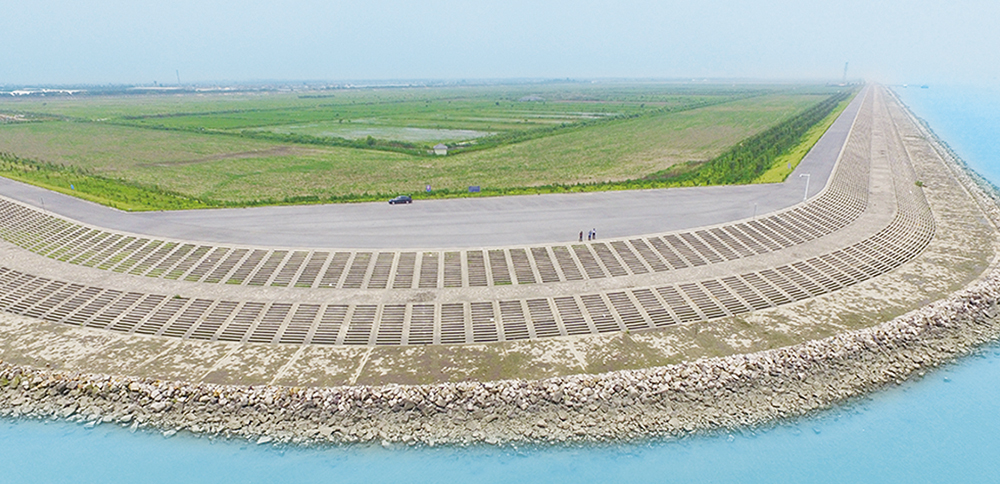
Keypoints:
(967, 118)
(943, 428)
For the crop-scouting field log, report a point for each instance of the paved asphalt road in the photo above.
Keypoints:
(528, 219)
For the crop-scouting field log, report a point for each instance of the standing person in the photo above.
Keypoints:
(581, 236)
(594, 234)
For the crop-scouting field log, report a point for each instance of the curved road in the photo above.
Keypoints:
(473, 222)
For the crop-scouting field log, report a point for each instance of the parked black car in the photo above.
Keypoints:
(401, 199)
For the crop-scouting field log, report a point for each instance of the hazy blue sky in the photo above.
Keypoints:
(135, 41)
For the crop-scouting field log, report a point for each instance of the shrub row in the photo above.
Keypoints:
(741, 164)
(121, 194)
(753, 156)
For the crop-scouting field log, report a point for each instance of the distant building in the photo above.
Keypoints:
(440, 149)
(529, 99)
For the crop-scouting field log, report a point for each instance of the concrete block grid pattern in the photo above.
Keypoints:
(66, 241)
(75, 243)
(468, 317)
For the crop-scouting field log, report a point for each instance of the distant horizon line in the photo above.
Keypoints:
(407, 82)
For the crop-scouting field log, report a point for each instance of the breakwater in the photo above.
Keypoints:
(730, 392)
(737, 391)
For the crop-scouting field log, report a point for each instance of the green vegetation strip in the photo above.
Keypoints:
(787, 162)
(744, 163)
(749, 159)
(76, 182)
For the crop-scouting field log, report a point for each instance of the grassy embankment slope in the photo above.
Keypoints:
(178, 165)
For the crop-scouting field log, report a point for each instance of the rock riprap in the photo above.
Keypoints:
(715, 393)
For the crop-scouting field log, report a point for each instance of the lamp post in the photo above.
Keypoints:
(806, 194)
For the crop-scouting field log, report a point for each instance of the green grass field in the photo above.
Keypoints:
(609, 96)
(203, 151)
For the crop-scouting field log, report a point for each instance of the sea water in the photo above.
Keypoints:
(966, 118)
(944, 427)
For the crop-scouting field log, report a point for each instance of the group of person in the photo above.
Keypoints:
(591, 235)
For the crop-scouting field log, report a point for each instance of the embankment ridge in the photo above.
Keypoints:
(739, 391)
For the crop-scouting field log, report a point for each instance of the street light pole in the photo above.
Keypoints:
(806, 194)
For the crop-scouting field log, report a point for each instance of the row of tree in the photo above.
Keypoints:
(753, 156)
(118, 193)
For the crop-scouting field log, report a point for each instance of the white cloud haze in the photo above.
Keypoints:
(119, 41)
